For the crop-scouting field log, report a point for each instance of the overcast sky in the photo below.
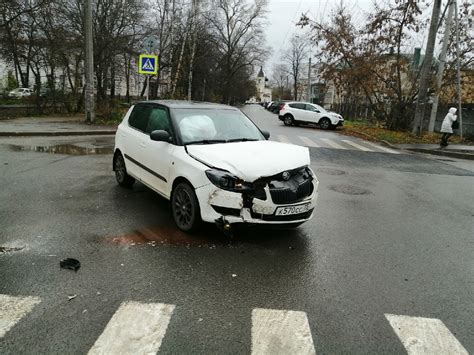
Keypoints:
(284, 14)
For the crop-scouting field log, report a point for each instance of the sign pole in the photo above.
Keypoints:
(147, 86)
(148, 65)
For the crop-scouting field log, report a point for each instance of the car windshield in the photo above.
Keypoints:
(215, 126)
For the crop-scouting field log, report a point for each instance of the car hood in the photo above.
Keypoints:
(251, 160)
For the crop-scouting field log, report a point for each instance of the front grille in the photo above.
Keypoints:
(272, 217)
(293, 190)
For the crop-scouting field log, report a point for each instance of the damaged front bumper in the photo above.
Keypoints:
(219, 206)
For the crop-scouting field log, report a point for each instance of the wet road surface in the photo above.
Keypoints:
(392, 236)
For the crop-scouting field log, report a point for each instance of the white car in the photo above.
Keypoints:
(305, 112)
(20, 92)
(214, 165)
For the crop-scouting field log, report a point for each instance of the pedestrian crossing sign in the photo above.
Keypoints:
(148, 64)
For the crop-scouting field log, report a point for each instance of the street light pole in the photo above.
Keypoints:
(89, 63)
(425, 70)
(442, 62)
(309, 79)
(458, 69)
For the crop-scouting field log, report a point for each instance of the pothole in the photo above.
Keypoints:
(330, 171)
(349, 190)
(68, 149)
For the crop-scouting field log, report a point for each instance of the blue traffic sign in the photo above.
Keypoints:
(148, 64)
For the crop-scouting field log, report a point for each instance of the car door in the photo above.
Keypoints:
(157, 155)
(312, 113)
(298, 110)
(135, 140)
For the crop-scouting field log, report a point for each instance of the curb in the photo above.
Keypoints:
(54, 134)
(446, 153)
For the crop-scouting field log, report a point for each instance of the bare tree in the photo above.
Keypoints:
(280, 78)
(237, 33)
(294, 58)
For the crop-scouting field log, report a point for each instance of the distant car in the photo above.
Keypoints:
(214, 165)
(20, 92)
(304, 112)
(277, 106)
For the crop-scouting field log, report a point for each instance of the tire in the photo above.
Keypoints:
(288, 120)
(123, 179)
(185, 208)
(325, 123)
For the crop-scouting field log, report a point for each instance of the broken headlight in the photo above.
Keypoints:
(226, 181)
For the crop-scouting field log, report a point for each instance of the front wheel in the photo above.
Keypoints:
(288, 120)
(325, 123)
(185, 208)
(123, 179)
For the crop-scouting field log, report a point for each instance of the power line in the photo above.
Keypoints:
(289, 26)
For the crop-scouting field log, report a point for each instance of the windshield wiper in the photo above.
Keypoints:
(207, 141)
(241, 140)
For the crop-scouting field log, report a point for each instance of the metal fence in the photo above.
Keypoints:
(353, 111)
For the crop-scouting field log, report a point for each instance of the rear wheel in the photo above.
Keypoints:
(185, 208)
(123, 179)
(288, 120)
(325, 123)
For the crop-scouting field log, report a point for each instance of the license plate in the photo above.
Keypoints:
(289, 210)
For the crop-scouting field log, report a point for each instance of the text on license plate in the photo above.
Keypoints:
(289, 210)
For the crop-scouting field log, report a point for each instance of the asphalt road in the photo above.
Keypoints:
(392, 235)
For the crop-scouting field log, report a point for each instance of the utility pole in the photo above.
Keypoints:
(89, 63)
(195, 10)
(425, 70)
(442, 62)
(309, 79)
(458, 69)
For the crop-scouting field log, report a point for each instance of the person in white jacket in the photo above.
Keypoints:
(447, 126)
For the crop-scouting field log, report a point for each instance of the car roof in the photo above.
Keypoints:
(173, 104)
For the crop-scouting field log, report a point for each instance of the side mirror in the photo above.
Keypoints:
(266, 134)
(160, 136)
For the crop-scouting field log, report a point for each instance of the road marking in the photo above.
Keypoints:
(308, 142)
(391, 151)
(136, 328)
(283, 139)
(358, 146)
(424, 335)
(280, 332)
(14, 308)
(332, 144)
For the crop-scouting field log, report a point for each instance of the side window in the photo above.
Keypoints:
(298, 106)
(158, 120)
(311, 108)
(139, 117)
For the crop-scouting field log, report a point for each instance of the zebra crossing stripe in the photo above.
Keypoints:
(382, 148)
(13, 309)
(332, 144)
(283, 139)
(135, 328)
(425, 335)
(358, 146)
(308, 142)
(280, 332)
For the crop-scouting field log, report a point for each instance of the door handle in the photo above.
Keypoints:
(143, 144)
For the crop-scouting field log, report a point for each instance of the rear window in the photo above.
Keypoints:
(299, 106)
